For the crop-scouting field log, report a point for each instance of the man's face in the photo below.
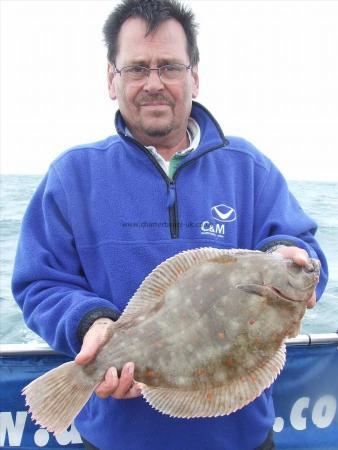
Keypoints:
(153, 109)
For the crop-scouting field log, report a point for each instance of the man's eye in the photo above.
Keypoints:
(136, 70)
(171, 68)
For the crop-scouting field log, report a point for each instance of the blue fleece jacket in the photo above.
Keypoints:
(105, 215)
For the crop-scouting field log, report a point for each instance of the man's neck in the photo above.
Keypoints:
(167, 152)
(165, 147)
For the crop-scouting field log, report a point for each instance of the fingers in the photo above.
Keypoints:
(126, 381)
(109, 384)
(123, 388)
(88, 351)
(95, 338)
(312, 301)
(119, 388)
(135, 391)
(298, 256)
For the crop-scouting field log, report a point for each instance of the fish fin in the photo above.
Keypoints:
(217, 401)
(56, 397)
(252, 289)
(150, 293)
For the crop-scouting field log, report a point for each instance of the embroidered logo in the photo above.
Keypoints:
(223, 213)
(220, 213)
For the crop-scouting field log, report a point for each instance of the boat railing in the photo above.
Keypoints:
(44, 349)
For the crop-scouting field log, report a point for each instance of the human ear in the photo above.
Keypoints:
(195, 81)
(111, 81)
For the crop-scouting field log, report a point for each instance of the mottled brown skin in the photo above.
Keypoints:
(218, 321)
(204, 331)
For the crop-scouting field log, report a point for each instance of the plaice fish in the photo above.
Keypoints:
(205, 330)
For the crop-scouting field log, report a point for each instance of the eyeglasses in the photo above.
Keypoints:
(169, 73)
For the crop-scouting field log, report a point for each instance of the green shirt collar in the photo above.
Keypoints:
(194, 135)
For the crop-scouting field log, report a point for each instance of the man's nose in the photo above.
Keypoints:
(153, 81)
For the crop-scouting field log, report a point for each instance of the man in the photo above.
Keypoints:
(107, 213)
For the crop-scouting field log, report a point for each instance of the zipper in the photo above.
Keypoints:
(172, 199)
(172, 207)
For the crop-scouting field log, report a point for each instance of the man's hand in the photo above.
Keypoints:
(299, 256)
(119, 388)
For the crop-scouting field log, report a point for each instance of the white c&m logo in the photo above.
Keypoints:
(221, 214)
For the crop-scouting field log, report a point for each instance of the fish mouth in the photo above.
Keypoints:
(280, 294)
(268, 291)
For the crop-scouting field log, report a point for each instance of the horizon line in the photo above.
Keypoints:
(317, 180)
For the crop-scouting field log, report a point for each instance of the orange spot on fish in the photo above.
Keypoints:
(275, 338)
(229, 362)
(150, 373)
(209, 396)
(201, 372)
(221, 335)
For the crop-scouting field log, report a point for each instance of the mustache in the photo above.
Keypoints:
(146, 99)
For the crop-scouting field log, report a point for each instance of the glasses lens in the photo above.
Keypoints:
(169, 73)
(172, 72)
(134, 73)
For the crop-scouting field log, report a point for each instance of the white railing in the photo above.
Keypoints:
(314, 339)
(44, 349)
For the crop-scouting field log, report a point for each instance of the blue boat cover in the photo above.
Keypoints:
(306, 395)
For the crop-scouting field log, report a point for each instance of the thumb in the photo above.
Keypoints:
(300, 258)
(91, 345)
(87, 354)
(94, 339)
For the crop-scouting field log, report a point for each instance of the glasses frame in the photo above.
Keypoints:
(148, 71)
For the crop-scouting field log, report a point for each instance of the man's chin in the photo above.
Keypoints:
(157, 131)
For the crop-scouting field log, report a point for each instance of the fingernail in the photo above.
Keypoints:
(130, 368)
(113, 372)
(139, 390)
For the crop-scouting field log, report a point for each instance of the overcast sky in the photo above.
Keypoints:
(268, 72)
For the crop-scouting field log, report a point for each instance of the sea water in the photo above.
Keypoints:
(318, 199)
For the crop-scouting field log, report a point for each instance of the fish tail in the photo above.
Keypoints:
(56, 397)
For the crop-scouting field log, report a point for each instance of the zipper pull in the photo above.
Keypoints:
(171, 194)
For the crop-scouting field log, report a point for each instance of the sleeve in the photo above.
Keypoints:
(48, 282)
(280, 220)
